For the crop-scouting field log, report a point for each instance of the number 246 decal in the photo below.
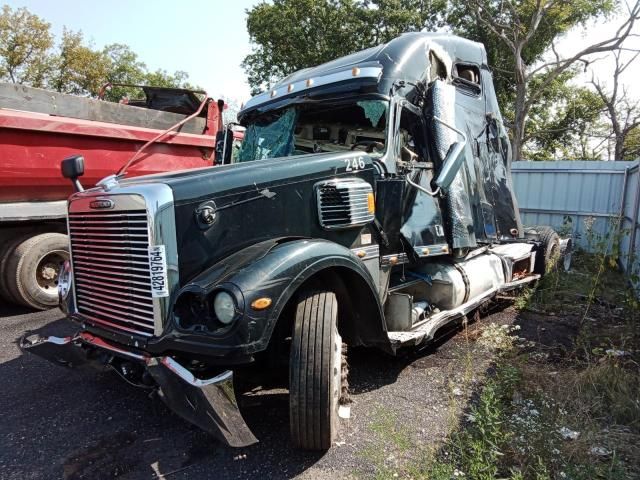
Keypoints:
(354, 164)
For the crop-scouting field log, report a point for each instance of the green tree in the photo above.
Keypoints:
(632, 144)
(126, 68)
(27, 56)
(25, 40)
(622, 111)
(289, 35)
(566, 123)
(521, 36)
(78, 68)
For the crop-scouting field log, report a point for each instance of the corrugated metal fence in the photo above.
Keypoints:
(597, 202)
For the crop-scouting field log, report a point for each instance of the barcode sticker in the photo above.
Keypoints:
(158, 271)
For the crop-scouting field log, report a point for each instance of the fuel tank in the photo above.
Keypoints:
(455, 283)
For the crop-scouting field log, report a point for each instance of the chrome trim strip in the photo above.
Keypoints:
(282, 88)
(388, 260)
(367, 252)
(186, 375)
(98, 342)
(424, 251)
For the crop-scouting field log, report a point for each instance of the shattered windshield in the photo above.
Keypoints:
(314, 128)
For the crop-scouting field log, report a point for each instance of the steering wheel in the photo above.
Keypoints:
(370, 144)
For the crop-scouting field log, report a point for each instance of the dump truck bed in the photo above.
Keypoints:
(39, 128)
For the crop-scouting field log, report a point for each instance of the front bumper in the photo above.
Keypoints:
(207, 403)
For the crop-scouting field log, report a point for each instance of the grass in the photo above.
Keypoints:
(539, 395)
(561, 401)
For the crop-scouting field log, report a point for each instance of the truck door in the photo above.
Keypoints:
(422, 226)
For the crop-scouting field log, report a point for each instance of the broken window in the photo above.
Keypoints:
(466, 77)
(317, 127)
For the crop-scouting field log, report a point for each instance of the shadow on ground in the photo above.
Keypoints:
(78, 424)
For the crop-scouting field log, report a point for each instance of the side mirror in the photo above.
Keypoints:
(454, 159)
(72, 168)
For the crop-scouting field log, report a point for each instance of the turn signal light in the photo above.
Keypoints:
(309, 82)
(355, 71)
(261, 303)
(371, 203)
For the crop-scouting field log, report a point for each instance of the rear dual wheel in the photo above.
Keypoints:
(30, 267)
(549, 255)
(315, 372)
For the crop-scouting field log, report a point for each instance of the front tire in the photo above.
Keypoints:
(315, 372)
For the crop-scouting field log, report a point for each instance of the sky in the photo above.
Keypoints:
(208, 38)
(205, 38)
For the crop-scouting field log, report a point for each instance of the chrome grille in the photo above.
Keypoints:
(111, 269)
(344, 203)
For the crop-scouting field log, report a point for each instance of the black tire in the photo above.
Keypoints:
(315, 372)
(548, 255)
(6, 279)
(32, 270)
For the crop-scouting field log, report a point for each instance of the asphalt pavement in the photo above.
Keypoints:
(81, 424)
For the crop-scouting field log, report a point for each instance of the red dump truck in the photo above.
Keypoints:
(169, 129)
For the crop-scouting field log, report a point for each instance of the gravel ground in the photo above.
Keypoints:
(58, 423)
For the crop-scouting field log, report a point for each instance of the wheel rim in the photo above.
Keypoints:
(566, 262)
(48, 270)
(336, 379)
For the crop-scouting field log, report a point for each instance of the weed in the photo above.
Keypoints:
(575, 418)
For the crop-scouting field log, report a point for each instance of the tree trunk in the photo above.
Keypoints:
(520, 118)
(520, 114)
(619, 149)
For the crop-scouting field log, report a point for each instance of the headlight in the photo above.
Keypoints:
(224, 306)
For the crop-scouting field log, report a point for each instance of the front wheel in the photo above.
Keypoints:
(315, 372)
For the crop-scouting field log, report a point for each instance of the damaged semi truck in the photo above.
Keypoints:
(371, 205)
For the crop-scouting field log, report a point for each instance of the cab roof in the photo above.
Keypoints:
(405, 58)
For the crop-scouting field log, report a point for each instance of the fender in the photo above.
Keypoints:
(276, 269)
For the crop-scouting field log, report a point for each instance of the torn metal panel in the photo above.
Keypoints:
(457, 202)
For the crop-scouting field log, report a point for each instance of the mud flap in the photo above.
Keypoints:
(210, 404)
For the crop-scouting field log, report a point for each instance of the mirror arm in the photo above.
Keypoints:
(421, 188)
(77, 185)
(224, 145)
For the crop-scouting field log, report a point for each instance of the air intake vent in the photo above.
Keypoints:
(345, 203)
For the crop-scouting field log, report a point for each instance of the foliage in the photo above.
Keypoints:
(25, 41)
(622, 111)
(77, 68)
(632, 144)
(289, 35)
(549, 118)
(542, 417)
(564, 122)
(28, 56)
(520, 37)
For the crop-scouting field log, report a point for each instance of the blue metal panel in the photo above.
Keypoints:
(582, 198)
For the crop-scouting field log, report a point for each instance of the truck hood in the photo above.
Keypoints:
(253, 202)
